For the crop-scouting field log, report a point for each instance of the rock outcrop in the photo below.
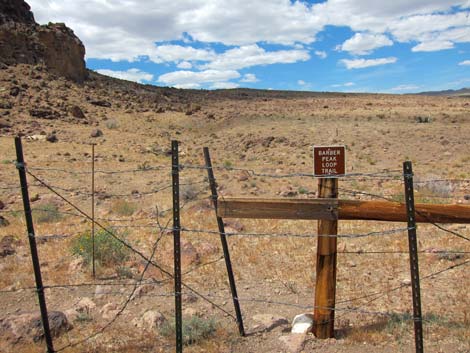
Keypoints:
(23, 41)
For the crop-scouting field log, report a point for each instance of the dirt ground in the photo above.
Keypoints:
(270, 133)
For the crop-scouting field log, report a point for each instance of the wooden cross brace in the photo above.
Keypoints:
(328, 210)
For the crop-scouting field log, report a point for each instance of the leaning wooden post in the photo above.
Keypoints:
(325, 288)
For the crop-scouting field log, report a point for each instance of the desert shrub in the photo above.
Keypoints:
(47, 213)
(123, 208)
(112, 124)
(435, 186)
(189, 192)
(195, 329)
(228, 164)
(108, 250)
(302, 190)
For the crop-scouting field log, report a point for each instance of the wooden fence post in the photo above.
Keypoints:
(325, 288)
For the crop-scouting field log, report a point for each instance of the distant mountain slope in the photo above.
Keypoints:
(449, 92)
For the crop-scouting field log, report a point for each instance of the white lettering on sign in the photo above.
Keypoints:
(329, 160)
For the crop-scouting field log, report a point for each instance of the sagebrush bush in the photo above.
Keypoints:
(47, 213)
(195, 329)
(108, 250)
(123, 208)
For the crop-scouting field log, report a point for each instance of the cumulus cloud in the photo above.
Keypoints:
(178, 78)
(464, 63)
(253, 55)
(364, 43)
(249, 78)
(363, 63)
(135, 75)
(185, 65)
(433, 46)
(224, 85)
(321, 54)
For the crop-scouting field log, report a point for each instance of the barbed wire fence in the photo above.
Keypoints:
(209, 297)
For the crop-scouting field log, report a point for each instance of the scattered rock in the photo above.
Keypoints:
(205, 249)
(4, 124)
(235, 225)
(268, 322)
(302, 323)
(7, 246)
(288, 192)
(4, 222)
(142, 290)
(96, 133)
(5, 105)
(52, 138)
(44, 113)
(77, 112)
(189, 255)
(109, 311)
(101, 103)
(150, 320)
(294, 342)
(28, 326)
(14, 91)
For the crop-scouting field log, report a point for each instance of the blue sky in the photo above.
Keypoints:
(335, 45)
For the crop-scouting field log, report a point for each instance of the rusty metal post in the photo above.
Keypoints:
(20, 165)
(223, 240)
(413, 247)
(325, 288)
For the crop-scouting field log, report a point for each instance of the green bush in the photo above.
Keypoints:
(195, 329)
(47, 213)
(123, 208)
(108, 250)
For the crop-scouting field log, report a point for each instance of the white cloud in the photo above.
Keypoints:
(362, 63)
(364, 43)
(252, 55)
(249, 78)
(321, 54)
(188, 86)
(464, 63)
(185, 65)
(224, 85)
(179, 78)
(433, 46)
(347, 84)
(301, 82)
(128, 29)
(135, 75)
(405, 87)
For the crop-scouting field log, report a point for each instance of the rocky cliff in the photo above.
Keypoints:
(23, 41)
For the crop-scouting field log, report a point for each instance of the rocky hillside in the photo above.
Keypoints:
(23, 41)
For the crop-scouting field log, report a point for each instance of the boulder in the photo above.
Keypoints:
(294, 342)
(76, 112)
(28, 326)
(302, 323)
(51, 138)
(96, 133)
(150, 320)
(7, 246)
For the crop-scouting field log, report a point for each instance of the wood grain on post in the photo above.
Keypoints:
(334, 209)
(325, 288)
